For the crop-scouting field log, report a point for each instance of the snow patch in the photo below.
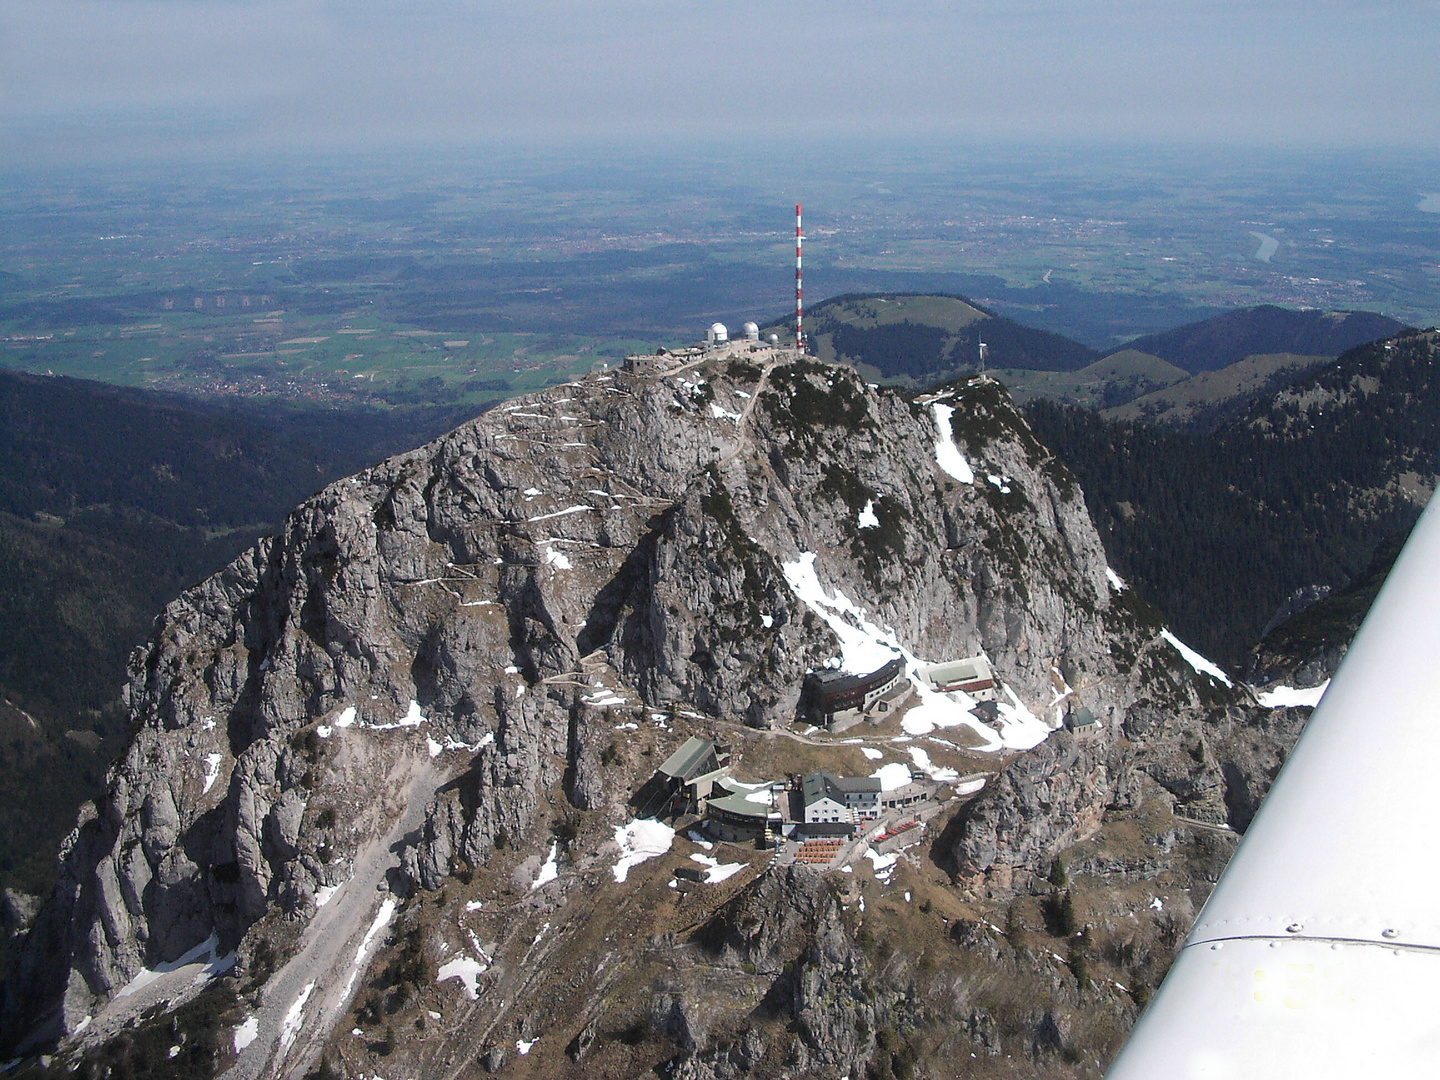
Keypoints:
(468, 971)
(245, 1034)
(935, 772)
(381, 920)
(295, 1016)
(324, 731)
(892, 776)
(577, 509)
(523, 1046)
(947, 454)
(1288, 696)
(639, 840)
(716, 871)
(558, 559)
(346, 718)
(603, 698)
(1116, 581)
(767, 621)
(884, 865)
(1195, 660)
(550, 871)
(213, 966)
(723, 414)
(871, 753)
(1001, 482)
(326, 893)
(212, 772)
(867, 518)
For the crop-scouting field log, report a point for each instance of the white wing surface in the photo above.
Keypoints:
(1318, 954)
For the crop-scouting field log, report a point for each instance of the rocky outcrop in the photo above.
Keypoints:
(1210, 766)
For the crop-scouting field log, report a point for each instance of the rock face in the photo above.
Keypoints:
(451, 625)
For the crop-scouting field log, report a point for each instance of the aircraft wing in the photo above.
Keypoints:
(1318, 954)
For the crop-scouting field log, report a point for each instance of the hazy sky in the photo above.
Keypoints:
(134, 77)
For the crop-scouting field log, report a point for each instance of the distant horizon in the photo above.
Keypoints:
(116, 80)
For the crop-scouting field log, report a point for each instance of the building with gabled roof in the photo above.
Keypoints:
(828, 798)
(692, 771)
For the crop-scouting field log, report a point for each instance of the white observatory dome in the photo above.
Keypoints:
(718, 332)
(774, 339)
(752, 332)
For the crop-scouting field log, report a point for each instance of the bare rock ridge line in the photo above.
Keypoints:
(423, 670)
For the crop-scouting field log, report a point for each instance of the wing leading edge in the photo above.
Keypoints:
(1318, 954)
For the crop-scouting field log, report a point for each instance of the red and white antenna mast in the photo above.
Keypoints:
(799, 283)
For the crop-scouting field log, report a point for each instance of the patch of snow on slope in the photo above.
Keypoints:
(326, 893)
(246, 1032)
(523, 1045)
(947, 454)
(1116, 581)
(639, 840)
(381, 920)
(558, 559)
(716, 871)
(935, 772)
(577, 509)
(206, 949)
(723, 414)
(892, 776)
(346, 718)
(212, 772)
(867, 518)
(550, 871)
(468, 971)
(1195, 660)
(1283, 696)
(884, 864)
(871, 753)
(295, 1016)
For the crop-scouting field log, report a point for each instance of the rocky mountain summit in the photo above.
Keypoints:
(382, 765)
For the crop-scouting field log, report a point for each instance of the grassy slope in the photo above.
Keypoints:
(1199, 397)
(1117, 377)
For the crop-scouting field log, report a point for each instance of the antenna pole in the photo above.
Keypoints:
(799, 283)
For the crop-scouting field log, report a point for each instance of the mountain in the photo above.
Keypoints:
(1206, 399)
(919, 339)
(1294, 494)
(112, 501)
(1224, 339)
(383, 808)
(1115, 378)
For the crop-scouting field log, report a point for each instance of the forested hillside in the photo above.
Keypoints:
(926, 338)
(111, 502)
(1222, 340)
(1218, 530)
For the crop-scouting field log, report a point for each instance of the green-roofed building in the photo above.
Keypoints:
(690, 773)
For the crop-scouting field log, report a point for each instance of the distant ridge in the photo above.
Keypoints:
(1224, 339)
(924, 338)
